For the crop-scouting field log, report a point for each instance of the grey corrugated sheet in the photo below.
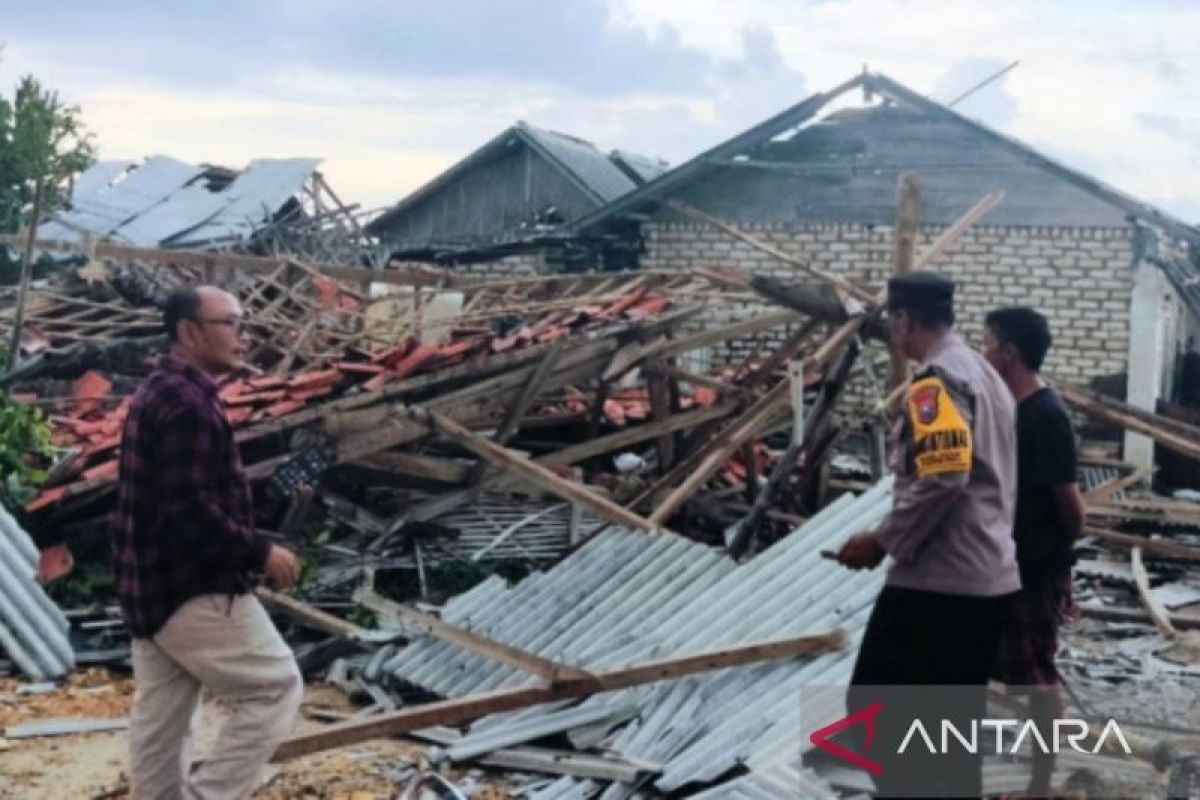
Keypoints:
(628, 597)
(257, 193)
(646, 168)
(33, 631)
(585, 162)
(103, 209)
(161, 203)
(98, 177)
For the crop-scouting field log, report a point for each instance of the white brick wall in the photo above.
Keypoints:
(1079, 277)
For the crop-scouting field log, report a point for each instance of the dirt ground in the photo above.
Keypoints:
(85, 766)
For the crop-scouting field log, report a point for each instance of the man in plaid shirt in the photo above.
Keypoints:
(185, 559)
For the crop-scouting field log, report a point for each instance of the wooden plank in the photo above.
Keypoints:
(683, 376)
(1180, 621)
(453, 712)
(313, 617)
(658, 386)
(415, 465)
(636, 434)
(201, 260)
(738, 330)
(535, 474)
(904, 247)
(1103, 492)
(949, 237)
(1150, 546)
(1115, 414)
(804, 266)
(468, 640)
(1158, 614)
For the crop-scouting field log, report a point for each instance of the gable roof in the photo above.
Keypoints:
(585, 167)
(672, 181)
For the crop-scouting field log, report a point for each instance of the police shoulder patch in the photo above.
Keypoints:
(941, 436)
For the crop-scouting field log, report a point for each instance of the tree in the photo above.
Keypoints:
(41, 139)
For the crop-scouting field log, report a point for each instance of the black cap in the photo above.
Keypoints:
(921, 290)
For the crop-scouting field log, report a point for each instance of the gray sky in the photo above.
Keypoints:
(391, 93)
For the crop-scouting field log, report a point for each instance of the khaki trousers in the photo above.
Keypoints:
(230, 647)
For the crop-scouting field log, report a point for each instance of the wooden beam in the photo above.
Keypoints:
(1116, 413)
(313, 617)
(443, 470)
(1103, 492)
(531, 472)
(453, 712)
(515, 411)
(1156, 610)
(904, 247)
(804, 266)
(468, 640)
(658, 386)
(738, 330)
(636, 434)
(949, 237)
(683, 376)
(202, 260)
(1184, 622)
(1152, 546)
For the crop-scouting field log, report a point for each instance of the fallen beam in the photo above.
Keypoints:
(531, 472)
(313, 617)
(1150, 546)
(468, 640)
(1124, 416)
(1156, 610)
(453, 712)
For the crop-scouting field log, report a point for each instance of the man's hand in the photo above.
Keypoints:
(282, 567)
(861, 551)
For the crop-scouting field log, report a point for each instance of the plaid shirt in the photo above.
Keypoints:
(183, 525)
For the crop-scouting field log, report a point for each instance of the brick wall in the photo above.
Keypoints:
(525, 265)
(1079, 277)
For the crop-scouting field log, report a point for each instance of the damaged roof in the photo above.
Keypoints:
(628, 596)
(525, 176)
(828, 159)
(164, 202)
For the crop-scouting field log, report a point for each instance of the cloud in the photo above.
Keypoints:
(992, 105)
(580, 44)
(1172, 125)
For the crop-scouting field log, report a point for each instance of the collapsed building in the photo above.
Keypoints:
(635, 470)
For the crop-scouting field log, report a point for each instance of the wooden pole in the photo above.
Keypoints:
(531, 472)
(453, 712)
(904, 249)
(26, 276)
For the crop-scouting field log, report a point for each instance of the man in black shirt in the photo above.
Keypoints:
(1048, 519)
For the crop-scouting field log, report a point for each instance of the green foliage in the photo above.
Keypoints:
(41, 139)
(25, 451)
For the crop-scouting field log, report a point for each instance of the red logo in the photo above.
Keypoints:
(867, 717)
(926, 401)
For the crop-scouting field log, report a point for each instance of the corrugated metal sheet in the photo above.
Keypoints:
(33, 631)
(162, 203)
(102, 208)
(99, 176)
(644, 168)
(594, 169)
(260, 190)
(627, 597)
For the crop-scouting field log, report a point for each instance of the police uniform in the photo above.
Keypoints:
(949, 532)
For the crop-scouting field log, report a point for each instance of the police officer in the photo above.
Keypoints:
(949, 532)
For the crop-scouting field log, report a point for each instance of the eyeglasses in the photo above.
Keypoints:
(235, 324)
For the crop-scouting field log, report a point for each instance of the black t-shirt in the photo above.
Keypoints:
(1046, 458)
